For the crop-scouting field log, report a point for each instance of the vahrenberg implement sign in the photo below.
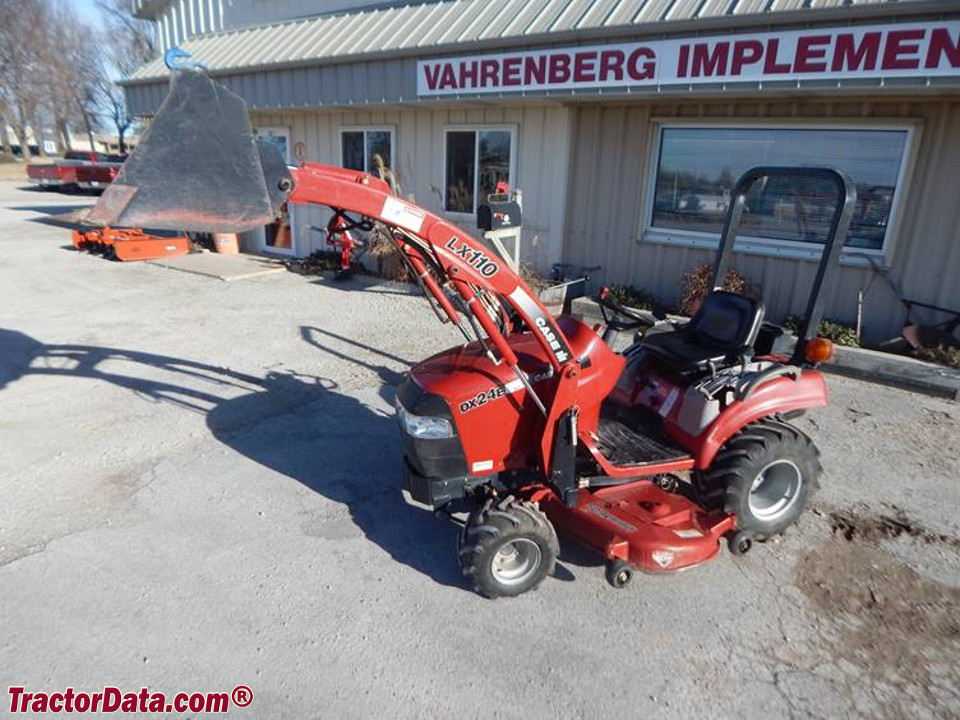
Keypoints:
(877, 51)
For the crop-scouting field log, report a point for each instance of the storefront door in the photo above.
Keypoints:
(280, 236)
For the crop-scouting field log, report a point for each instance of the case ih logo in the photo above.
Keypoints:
(877, 51)
(483, 263)
(558, 350)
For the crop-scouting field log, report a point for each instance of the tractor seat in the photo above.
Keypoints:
(720, 333)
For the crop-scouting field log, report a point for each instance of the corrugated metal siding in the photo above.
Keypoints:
(543, 140)
(340, 85)
(447, 23)
(182, 20)
(609, 171)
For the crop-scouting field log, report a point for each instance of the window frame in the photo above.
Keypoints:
(392, 129)
(260, 233)
(772, 247)
(284, 130)
(477, 129)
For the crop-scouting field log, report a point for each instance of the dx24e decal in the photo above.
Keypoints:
(495, 393)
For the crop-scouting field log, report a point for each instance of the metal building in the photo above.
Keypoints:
(624, 122)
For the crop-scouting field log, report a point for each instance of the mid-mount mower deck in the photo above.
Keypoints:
(649, 456)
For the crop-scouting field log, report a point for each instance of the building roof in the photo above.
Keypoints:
(424, 28)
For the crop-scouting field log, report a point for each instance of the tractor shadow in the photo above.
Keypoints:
(345, 448)
(368, 284)
(68, 216)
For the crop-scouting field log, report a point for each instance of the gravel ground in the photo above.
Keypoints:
(201, 490)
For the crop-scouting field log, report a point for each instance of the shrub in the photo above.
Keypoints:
(836, 332)
(384, 250)
(534, 279)
(629, 296)
(315, 263)
(695, 285)
(942, 354)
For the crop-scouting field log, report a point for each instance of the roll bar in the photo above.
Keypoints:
(829, 259)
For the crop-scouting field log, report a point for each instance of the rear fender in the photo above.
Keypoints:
(777, 396)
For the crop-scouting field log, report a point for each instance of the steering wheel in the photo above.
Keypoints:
(606, 303)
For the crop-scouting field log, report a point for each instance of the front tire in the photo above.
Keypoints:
(765, 475)
(507, 548)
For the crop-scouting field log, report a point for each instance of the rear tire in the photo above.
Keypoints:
(765, 475)
(506, 548)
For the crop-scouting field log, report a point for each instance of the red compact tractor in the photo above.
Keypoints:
(535, 424)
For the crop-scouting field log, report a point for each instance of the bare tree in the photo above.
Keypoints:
(4, 137)
(21, 59)
(74, 70)
(129, 43)
(115, 106)
(132, 41)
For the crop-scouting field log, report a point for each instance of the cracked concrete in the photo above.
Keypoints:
(201, 489)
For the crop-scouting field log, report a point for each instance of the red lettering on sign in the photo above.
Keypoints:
(489, 73)
(745, 52)
(683, 59)
(941, 44)
(448, 79)
(706, 63)
(559, 69)
(811, 51)
(468, 72)
(511, 71)
(432, 73)
(847, 55)
(584, 67)
(770, 64)
(611, 63)
(899, 45)
(534, 70)
(641, 65)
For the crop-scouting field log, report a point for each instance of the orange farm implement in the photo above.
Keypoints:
(129, 244)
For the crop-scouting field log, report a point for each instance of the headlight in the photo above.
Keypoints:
(420, 426)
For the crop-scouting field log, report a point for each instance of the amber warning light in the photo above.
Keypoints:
(818, 350)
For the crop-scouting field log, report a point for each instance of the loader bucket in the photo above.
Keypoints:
(198, 167)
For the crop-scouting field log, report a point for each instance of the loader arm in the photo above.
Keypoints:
(200, 167)
(442, 254)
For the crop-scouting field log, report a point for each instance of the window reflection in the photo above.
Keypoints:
(699, 166)
(461, 149)
(352, 146)
(494, 161)
(378, 152)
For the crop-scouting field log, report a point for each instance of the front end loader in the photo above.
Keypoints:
(534, 424)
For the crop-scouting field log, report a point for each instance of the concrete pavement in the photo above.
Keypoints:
(201, 490)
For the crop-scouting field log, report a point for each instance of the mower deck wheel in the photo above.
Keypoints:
(507, 547)
(741, 542)
(619, 573)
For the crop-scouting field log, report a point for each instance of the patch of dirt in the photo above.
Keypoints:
(890, 633)
(852, 525)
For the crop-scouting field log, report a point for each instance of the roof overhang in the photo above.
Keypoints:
(263, 48)
(385, 75)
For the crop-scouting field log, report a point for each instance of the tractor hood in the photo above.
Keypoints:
(199, 167)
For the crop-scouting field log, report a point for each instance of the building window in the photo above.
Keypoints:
(476, 160)
(367, 149)
(698, 166)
